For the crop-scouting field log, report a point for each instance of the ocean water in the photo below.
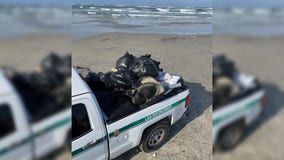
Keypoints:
(90, 20)
(249, 21)
(19, 20)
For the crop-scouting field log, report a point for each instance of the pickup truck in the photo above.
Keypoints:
(30, 132)
(230, 120)
(104, 130)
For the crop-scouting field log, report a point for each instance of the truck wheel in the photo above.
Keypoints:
(231, 135)
(155, 137)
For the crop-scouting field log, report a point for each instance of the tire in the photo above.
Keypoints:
(155, 137)
(231, 135)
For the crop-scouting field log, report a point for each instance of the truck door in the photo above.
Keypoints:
(88, 136)
(14, 133)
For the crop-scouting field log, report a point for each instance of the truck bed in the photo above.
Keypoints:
(238, 97)
(38, 105)
(118, 107)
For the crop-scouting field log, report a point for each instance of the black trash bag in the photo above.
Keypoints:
(144, 66)
(91, 77)
(119, 80)
(56, 68)
(106, 79)
(52, 63)
(223, 67)
(21, 80)
(122, 78)
(42, 81)
(32, 81)
(125, 61)
(156, 62)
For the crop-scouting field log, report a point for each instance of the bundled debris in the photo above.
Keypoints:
(139, 78)
(52, 83)
(228, 82)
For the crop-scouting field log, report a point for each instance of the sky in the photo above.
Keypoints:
(39, 2)
(249, 3)
(194, 3)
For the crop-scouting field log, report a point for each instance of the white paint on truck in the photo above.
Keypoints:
(108, 141)
(26, 140)
(247, 109)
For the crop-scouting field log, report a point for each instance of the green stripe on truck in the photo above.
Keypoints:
(54, 126)
(133, 124)
(237, 111)
(149, 117)
(81, 150)
(34, 135)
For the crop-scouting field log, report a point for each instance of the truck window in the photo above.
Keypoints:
(7, 125)
(80, 121)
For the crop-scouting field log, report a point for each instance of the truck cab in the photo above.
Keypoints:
(89, 140)
(27, 135)
(15, 132)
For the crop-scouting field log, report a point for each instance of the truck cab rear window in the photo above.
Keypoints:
(7, 125)
(80, 121)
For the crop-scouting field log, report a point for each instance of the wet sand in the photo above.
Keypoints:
(262, 57)
(188, 56)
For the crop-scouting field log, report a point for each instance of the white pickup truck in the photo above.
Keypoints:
(28, 133)
(101, 131)
(231, 119)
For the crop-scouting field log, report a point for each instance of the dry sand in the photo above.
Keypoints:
(262, 57)
(25, 53)
(188, 56)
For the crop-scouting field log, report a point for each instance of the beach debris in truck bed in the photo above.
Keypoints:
(50, 84)
(229, 82)
(139, 78)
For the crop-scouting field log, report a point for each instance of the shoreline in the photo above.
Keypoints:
(135, 33)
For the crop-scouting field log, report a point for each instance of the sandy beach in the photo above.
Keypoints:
(188, 56)
(263, 57)
(24, 53)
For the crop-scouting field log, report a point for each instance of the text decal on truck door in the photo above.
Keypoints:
(149, 117)
(235, 112)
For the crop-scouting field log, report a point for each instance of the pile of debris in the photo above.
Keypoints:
(139, 78)
(228, 82)
(52, 83)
